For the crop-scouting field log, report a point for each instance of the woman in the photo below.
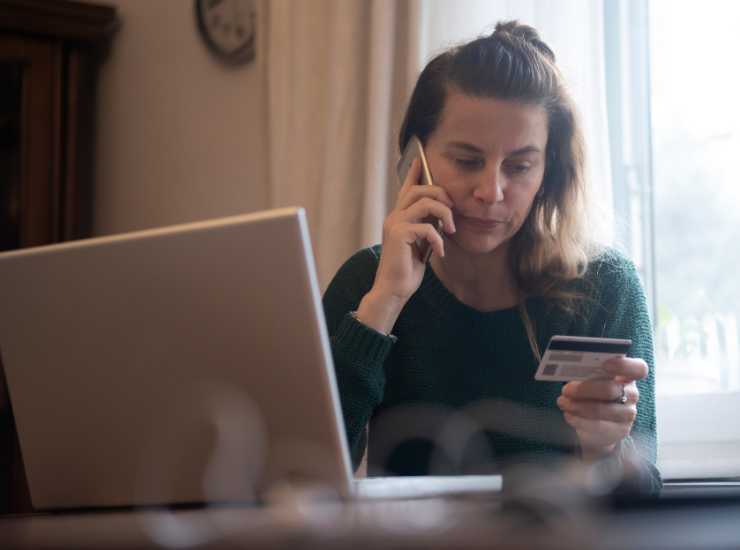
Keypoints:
(425, 351)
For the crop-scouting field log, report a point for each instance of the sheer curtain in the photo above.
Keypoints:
(574, 29)
(338, 72)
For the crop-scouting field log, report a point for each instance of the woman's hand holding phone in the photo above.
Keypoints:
(401, 268)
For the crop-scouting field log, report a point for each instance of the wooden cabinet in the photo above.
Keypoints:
(50, 51)
(49, 54)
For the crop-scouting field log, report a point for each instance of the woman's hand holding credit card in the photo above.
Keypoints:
(421, 213)
(600, 399)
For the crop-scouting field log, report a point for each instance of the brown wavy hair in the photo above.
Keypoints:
(551, 248)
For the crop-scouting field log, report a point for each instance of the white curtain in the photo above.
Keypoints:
(574, 29)
(338, 73)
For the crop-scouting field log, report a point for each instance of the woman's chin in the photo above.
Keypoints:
(478, 244)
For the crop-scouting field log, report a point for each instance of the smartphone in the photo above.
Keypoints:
(414, 149)
(579, 357)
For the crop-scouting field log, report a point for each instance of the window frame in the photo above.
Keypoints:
(626, 48)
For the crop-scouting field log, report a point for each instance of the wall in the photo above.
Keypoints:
(180, 137)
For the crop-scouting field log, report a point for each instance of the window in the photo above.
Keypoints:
(674, 134)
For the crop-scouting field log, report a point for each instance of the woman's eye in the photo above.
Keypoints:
(519, 167)
(469, 163)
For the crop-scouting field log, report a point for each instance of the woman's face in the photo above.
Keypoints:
(489, 155)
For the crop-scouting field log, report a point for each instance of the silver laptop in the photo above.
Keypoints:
(186, 364)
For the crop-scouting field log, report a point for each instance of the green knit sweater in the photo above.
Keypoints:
(453, 391)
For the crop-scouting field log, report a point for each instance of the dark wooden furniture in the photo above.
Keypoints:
(49, 54)
(50, 51)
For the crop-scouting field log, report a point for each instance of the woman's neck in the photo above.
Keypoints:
(483, 282)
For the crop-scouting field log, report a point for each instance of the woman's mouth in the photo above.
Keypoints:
(482, 224)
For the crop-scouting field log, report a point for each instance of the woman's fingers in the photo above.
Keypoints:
(425, 231)
(426, 207)
(601, 390)
(599, 410)
(597, 433)
(626, 368)
(411, 194)
(408, 233)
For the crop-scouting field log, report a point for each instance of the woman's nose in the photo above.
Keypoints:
(490, 188)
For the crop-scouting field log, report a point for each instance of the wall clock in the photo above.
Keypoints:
(228, 28)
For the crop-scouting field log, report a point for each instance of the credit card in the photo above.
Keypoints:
(579, 358)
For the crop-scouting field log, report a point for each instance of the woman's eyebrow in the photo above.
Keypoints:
(524, 151)
(468, 147)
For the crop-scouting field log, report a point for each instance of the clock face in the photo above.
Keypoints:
(228, 27)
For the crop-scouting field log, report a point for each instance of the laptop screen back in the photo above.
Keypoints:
(185, 364)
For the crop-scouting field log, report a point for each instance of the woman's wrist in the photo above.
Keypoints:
(379, 311)
(591, 455)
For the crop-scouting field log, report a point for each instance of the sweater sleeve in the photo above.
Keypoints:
(624, 314)
(359, 352)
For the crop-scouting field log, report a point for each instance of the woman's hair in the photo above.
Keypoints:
(513, 63)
